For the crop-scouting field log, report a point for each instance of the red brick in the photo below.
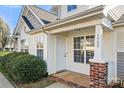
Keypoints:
(98, 74)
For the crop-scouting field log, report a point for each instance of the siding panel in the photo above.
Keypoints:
(120, 65)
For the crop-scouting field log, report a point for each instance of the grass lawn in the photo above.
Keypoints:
(4, 53)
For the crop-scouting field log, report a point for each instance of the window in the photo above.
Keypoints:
(79, 49)
(83, 48)
(71, 7)
(24, 50)
(24, 45)
(40, 47)
(90, 41)
(40, 53)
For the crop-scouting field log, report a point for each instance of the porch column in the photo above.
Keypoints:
(98, 68)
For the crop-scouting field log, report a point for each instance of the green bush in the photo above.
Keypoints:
(27, 68)
(8, 57)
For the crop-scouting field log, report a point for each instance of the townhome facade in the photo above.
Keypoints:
(86, 39)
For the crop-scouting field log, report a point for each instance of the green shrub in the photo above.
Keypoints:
(27, 68)
(8, 57)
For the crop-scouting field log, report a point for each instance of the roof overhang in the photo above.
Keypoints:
(83, 15)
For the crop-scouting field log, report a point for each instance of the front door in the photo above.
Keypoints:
(60, 53)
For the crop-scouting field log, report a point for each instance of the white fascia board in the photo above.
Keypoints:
(19, 19)
(106, 22)
(118, 24)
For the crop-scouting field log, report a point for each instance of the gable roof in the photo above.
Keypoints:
(43, 14)
(44, 17)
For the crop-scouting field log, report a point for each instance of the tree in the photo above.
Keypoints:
(4, 34)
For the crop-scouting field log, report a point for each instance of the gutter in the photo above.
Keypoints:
(37, 30)
(118, 24)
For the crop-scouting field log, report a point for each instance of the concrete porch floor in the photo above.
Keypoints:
(72, 79)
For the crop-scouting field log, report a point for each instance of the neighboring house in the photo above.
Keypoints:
(83, 38)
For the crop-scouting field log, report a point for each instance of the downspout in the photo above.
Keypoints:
(48, 51)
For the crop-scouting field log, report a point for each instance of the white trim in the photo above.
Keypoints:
(98, 43)
(19, 19)
(115, 55)
(97, 61)
(106, 22)
(118, 24)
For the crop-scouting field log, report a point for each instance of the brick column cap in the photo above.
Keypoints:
(97, 61)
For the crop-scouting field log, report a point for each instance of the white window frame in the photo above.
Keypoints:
(84, 49)
(24, 48)
(40, 48)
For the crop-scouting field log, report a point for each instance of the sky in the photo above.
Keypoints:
(10, 14)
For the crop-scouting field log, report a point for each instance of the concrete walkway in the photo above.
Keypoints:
(58, 85)
(4, 83)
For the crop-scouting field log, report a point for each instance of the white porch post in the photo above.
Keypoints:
(98, 53)
(98, 68)
(98, 43)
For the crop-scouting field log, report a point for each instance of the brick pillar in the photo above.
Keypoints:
(98, 75)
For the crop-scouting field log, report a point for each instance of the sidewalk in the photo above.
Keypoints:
(4, 83)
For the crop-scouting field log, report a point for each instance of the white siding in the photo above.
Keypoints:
(108, 46)
(23, 35)
(64, 13)
(108, 53)
(32, 40)
(120, 39)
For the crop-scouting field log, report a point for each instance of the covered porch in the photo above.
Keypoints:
(73, 50)
(82, 46)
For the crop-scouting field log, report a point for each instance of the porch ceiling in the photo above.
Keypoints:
(75, 25)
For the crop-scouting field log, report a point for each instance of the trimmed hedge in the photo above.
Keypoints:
(27, 68)
(7, 58)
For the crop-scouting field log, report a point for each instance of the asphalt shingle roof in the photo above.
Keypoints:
(120, 20)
